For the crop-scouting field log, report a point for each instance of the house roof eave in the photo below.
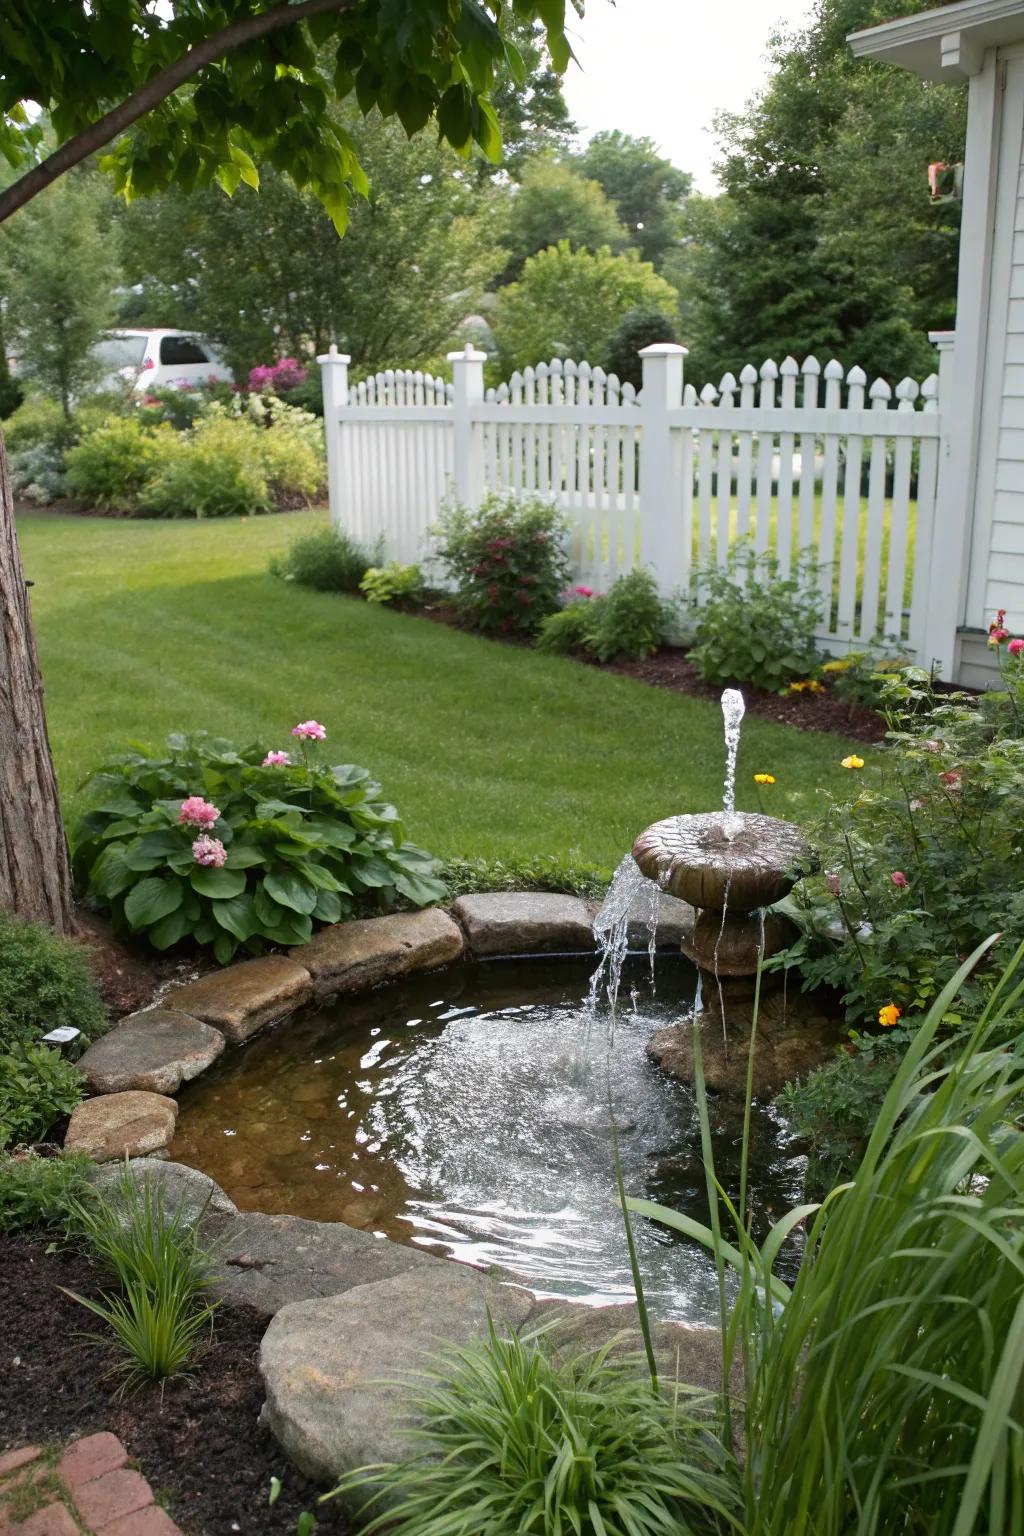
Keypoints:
(945, 44)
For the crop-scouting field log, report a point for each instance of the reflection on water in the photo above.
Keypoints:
(468, 1112)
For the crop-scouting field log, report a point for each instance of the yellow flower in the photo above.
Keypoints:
(888, 1015)
(833, 668)
(764, 778)
(853, 761)
(813, 686)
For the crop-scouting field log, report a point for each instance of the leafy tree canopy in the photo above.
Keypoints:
(553, 202)
(258, 76)
(647, 190)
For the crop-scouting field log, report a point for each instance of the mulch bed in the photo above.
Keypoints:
(197, 1440)
(128, 972)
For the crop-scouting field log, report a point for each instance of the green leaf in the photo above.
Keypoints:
(152, 899)
(244, 856)
(420, 889)
(170, 930)
(328, 907)
(219, 883)
(237, 915)
(292, 891)
(373, 871)
(224, 947)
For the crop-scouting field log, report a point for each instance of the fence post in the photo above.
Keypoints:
(468, 381)
(661, 518)
(334, 382)
(946, 570)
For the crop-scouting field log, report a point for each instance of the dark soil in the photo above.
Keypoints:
(128, 973)
(197, 1440)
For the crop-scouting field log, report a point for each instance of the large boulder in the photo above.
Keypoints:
(182, 1190)
(525, 923)
(243, 998)
(120, 1125)
(156, 1050)
(337, 1370)
(351, 957)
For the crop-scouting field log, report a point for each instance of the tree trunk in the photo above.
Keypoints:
(35, 874)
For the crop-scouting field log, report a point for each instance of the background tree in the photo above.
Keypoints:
(266, 274)
(62, 274)
(648, 191)
(185, 96)
(639, 328)
(570, 303)
(554, 202)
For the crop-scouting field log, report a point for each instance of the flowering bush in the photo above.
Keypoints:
(507, 560)
(925, 862)
(273, 378)
(242, 848)
(757, 625)
(180, 405)
(630, 620)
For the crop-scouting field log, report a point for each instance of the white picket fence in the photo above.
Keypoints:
(798, 457)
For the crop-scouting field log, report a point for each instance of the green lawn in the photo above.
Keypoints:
(150, 627)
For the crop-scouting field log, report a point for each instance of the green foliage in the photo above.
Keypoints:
(112, 465)
(328, 560)
(543, 872)
(834, 1109)
(244, 108)
(37, 1087)
(940, 811)
(38, 421)
(304, 844)
(215, 470)
(571, 303)
(291, 448)
(514, 1437)
(164, 1275)
(555, 202)
(11, 392)
(179, 406)
(569, 629)
(902, 1331)
(647, 190)
(507, 561)
(861, 676)
(37, 474)
(629, 620)
(392, 583)
(41, 1194)
(640, 328)
(45, 984)
(756, 625)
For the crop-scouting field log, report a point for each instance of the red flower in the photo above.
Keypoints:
(953, 780)
(898, 878)
(1015, 647)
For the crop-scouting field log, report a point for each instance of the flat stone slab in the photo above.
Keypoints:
(350, 957)
(181, 1188)
(119, 1125)
(676, 920)
(156, 1050)
(525, 923)
(243, 998)
(334, 1369)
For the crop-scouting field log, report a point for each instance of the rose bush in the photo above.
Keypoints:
(241, 848)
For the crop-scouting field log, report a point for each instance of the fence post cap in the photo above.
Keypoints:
(942, 339)
(663, 349)
(333, 356)
(470, 355)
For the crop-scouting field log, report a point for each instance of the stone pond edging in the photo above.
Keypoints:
(149, 1055)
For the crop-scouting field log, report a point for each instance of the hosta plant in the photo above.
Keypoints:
(241, 848)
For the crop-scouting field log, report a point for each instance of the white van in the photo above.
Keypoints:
(156, 359)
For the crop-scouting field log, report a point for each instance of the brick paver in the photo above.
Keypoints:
(103, 1496)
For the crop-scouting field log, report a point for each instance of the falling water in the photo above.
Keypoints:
(732, 711)
(631, 897)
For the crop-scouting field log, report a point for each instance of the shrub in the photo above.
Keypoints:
(38, 419)
(180, 405)
(507, 561)
(756, 625)
(629, 620)
(37, 1087)
(235, 848)
(273, 378)
(392, 583)
(37, 473)
(111, 465)
(834, 1109)
(41, 1194)
(922, 863)
(513, 1437)
(45, 983)
(328, 560)
(640, 328)
(215, 470)
(293, 454)
(860, 676)
(570, 629)
(11, 394)
(164, 1273)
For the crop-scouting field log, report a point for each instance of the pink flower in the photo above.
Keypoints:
(197, 812)
(933, 746)
(953, 779)
(276, 759)
(583, 591)
(997, 636)
(1015, 647)
(310, 730)
(210, 852)
(832, 881)
(898, 878)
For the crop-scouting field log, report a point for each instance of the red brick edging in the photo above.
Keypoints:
(91, 1489)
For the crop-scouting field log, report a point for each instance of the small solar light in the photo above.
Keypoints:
(63, 1035)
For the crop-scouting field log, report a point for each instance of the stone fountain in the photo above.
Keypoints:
(731, 867)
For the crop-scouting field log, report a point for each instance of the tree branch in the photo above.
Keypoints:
(150, 95)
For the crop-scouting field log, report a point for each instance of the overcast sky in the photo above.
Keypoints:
(665, 67)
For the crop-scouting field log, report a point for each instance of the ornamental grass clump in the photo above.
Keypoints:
(239, 848)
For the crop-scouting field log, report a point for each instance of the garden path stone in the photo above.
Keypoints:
(119, 1125)
(156, 1050)
(243, 998)
(183, 1189)
(525, 923)
(333, 1367)
(350, 957)
(269, 1262)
